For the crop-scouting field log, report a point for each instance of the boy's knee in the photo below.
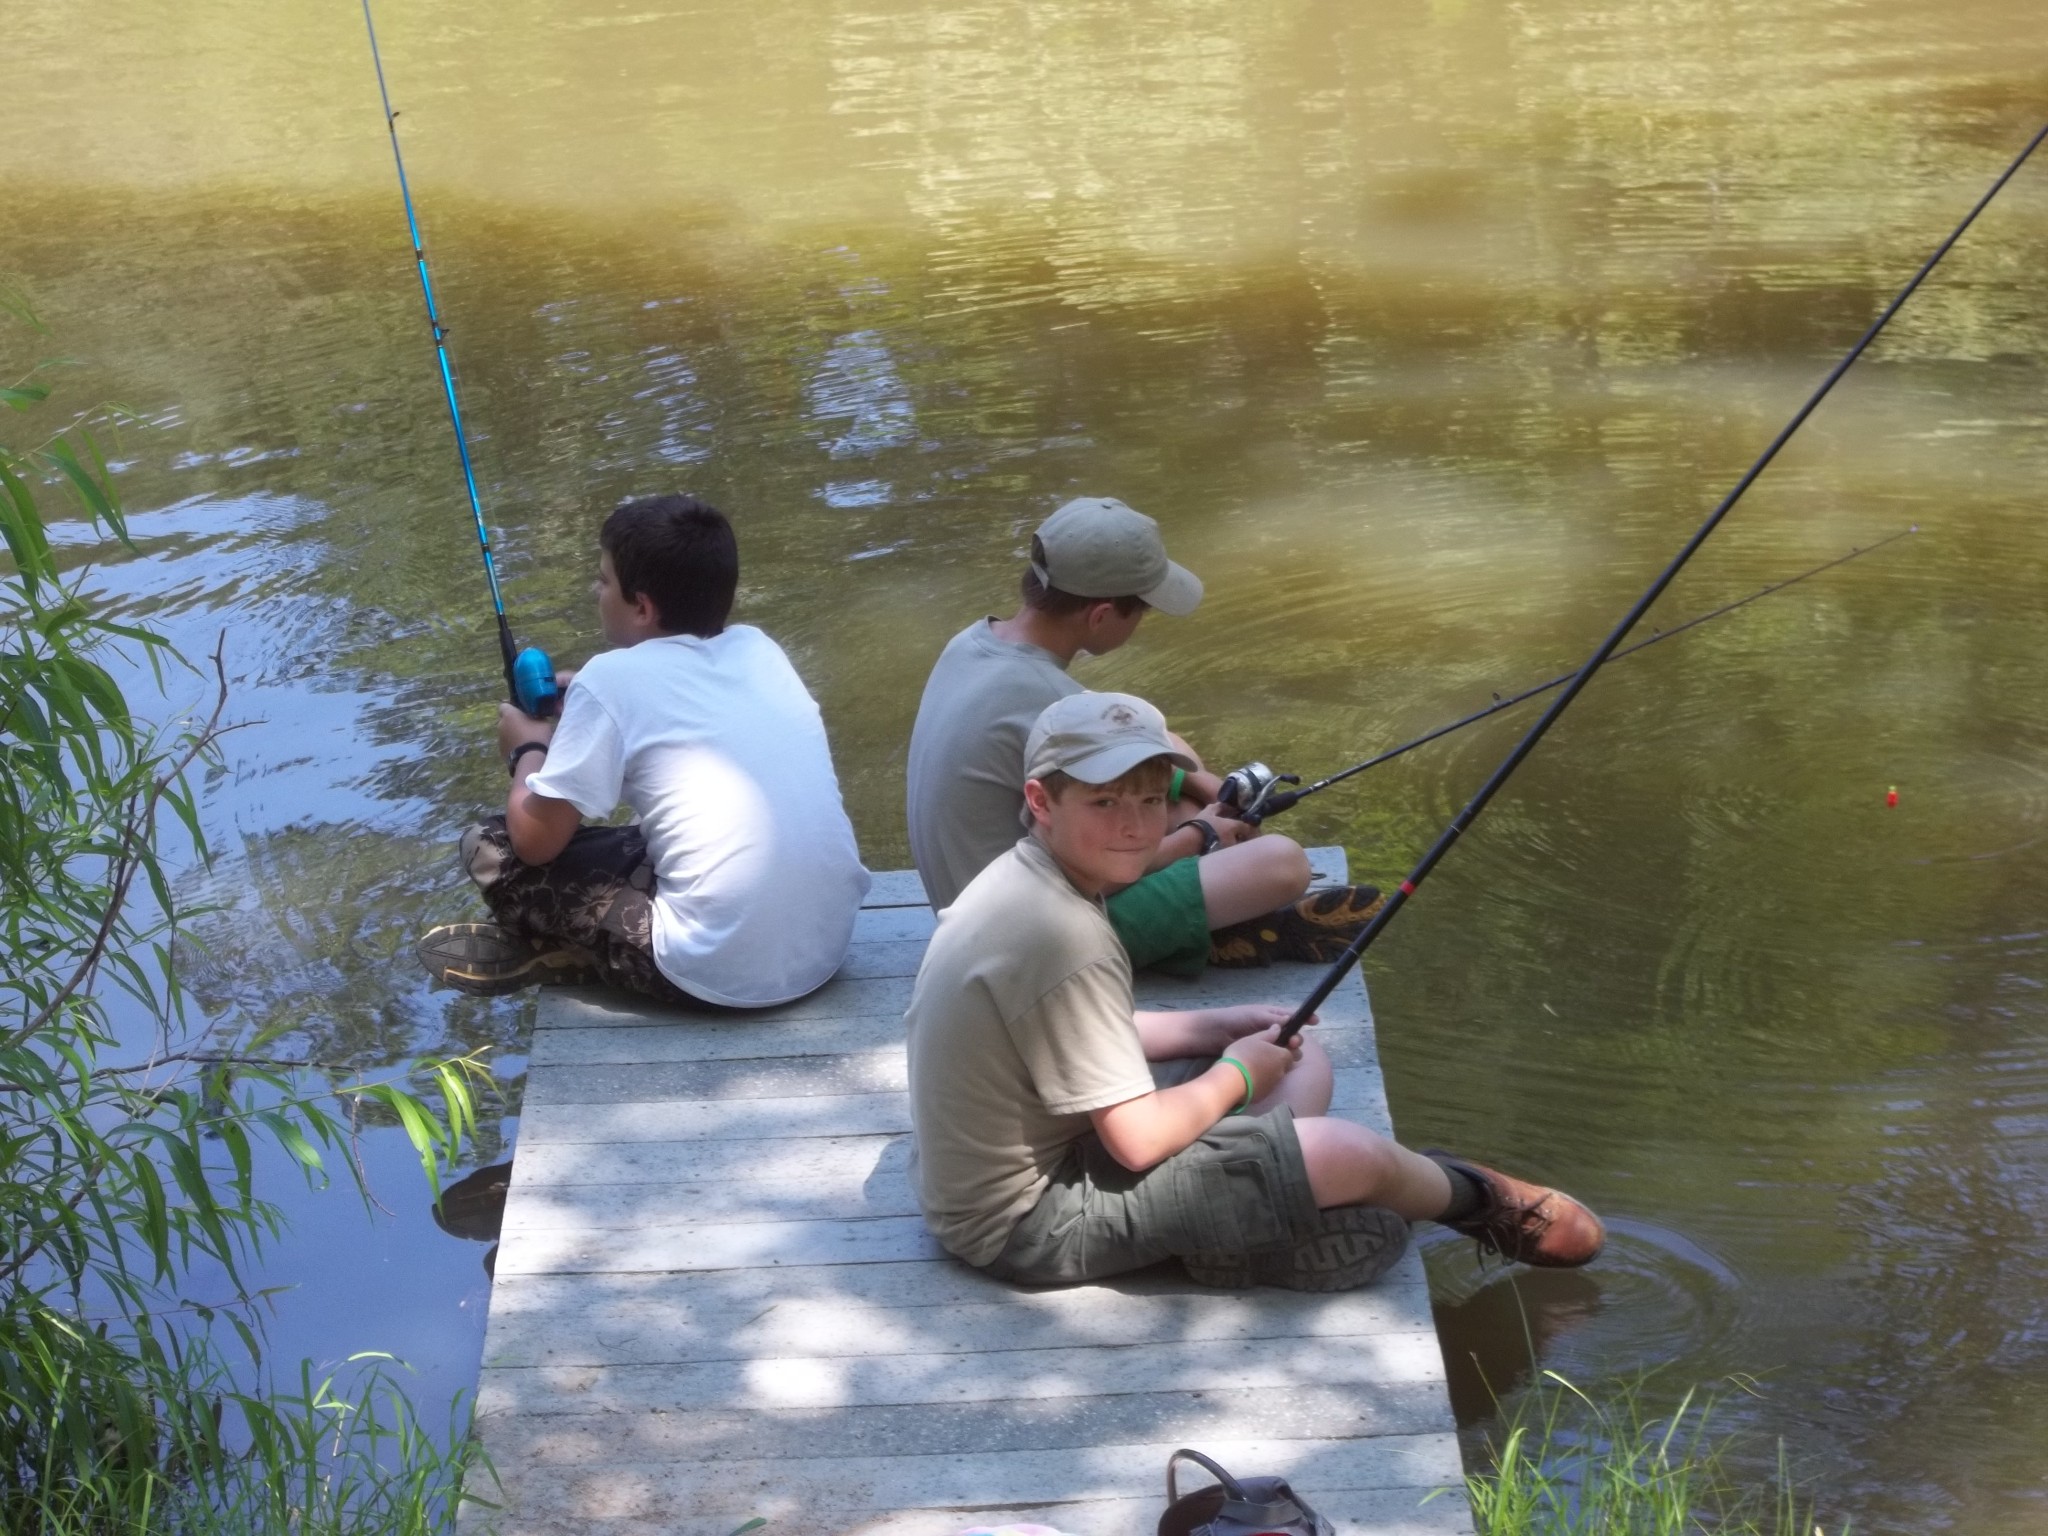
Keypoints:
(1284, 862)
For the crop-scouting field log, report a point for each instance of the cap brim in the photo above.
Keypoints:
(1112, 763)
(1178, 595)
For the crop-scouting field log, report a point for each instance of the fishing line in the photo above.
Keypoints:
(1398, 898)
(529, 675)
(1267, 799)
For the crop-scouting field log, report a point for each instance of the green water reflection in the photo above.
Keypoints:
(1428, 329)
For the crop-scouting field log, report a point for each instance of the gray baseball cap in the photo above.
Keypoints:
(1095, 546)
(1098, 737)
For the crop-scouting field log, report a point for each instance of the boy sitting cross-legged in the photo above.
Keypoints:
(1062, 1136)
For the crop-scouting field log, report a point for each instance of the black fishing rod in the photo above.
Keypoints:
(529, 675)
(1398, 898)
(1256, 788)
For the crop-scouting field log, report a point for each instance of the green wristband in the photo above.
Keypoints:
(1180, 777)
(1246, 1073)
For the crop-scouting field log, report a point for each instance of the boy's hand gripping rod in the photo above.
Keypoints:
(1399, 897)
(529, 675)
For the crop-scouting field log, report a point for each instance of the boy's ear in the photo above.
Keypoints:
(1038, 802)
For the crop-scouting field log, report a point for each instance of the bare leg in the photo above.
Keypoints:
(1350, 1165)
(1308, 1085)
(1253, 878)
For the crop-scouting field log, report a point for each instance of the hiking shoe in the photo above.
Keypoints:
(486, 960)
(1353, 1245)
(1526, 1223)
(1317, 928)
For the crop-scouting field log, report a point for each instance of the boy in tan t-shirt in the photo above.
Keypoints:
(1063, 1136)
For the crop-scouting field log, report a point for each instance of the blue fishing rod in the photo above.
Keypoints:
(1398, 898)
(529, 674)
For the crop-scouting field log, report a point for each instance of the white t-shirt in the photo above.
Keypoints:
(719, 747)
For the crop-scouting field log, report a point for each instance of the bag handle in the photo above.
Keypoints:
(1231, 1486)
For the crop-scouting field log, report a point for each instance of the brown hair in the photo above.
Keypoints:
(1054, 603)
(681, 553)
(1153, 773)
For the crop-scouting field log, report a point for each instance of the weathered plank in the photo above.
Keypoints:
(587, 1007)
(1358, 1094)
(560, 1429)
(792, 1489)
(934, 1307)
(1365, 1362)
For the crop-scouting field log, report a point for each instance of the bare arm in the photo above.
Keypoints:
(538, 825)
(1152, 1127)
(1203, 1031)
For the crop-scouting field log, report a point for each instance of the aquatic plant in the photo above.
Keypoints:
(1565, 1465)
(134, 1393)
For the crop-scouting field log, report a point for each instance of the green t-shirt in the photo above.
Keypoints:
(1021, 1022)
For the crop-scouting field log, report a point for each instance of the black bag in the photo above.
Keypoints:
(1252, 1506)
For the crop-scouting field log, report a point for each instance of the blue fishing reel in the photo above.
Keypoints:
(533, 683)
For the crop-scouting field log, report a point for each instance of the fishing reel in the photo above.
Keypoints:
(534, 688)
(1253, 792)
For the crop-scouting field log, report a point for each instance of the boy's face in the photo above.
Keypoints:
(1102, 837)
(625, 621)
(1107, 629)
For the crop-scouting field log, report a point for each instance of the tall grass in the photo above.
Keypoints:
(1565, 1465)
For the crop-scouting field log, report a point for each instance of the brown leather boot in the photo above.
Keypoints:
(1526, 1223)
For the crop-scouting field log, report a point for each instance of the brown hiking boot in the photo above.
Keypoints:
(1526, 1223)
(1353, 1245)
(487, 960)
(1317, 928)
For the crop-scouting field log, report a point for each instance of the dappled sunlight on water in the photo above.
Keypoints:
(1427, 330)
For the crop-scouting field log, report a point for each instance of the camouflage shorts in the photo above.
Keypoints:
(596, 895)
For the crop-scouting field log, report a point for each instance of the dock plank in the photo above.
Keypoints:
(716, 1299)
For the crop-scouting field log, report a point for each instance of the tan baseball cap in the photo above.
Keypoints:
(1095, 546)
(1098, 737)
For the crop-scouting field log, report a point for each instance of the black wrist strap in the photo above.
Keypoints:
(512, 759)
(1209, 835)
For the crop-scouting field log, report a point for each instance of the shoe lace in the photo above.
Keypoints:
(1522, 1225)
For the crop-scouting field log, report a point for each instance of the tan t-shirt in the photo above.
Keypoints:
(1020, 1023)
(965, 775)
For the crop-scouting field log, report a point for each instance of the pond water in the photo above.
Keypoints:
(1428, 329)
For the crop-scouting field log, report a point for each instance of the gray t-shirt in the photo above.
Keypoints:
(966, 771)
(1020, 1024)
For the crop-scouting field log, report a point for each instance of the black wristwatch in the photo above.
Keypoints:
(1209, 837)
(512, 758)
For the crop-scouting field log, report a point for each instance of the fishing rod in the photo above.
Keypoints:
(1398, 898)
(1254, 790)
(529, 675)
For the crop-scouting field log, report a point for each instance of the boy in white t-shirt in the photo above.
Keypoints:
(738, 883)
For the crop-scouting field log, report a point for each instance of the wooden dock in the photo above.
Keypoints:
(715, 1299)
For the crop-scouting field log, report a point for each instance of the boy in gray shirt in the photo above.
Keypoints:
(1063, 1136)
(1096, 568)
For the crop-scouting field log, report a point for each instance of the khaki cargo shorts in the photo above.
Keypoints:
(1242, 1186)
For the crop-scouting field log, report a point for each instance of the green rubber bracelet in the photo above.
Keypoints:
(1244, 1072)
(1180, 777)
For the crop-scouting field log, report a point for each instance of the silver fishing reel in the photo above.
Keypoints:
(1249, 790)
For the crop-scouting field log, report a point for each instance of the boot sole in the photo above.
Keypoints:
(482, 960)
